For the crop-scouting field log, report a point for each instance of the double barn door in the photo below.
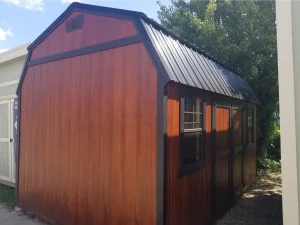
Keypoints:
(228, 156)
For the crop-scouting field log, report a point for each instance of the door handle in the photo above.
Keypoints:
(11, 140)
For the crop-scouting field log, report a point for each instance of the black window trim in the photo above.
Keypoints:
(240, 148)
(250, 145)
(191, 168)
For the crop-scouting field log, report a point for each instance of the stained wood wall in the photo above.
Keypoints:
(200, 197)
(88, 136)
(189, 197)
(96, 30)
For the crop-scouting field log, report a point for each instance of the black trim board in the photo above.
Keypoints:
(213, 160)
(87, 50)
(160, 153)
(19, 126)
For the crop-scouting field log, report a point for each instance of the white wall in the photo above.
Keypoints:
(11, 65)
(288, 41)
(10, 73)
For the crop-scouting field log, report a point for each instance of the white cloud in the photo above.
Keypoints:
(28, 4)
(4, 34)
(3, 49)
(69, 1)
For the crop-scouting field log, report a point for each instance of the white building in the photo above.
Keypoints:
(11, 65)
(288, 41)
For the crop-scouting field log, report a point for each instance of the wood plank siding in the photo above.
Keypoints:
(96, 30)
(88, 130)
(188, 197)
(203, 195)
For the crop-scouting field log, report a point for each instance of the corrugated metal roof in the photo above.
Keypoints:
(186, 64)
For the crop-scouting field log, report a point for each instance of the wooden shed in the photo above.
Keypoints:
(123, 122)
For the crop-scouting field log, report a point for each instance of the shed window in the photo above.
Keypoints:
(192, 149)
(250, 120)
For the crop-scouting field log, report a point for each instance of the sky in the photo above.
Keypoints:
(22, 21)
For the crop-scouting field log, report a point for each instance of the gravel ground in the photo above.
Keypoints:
(260, 205)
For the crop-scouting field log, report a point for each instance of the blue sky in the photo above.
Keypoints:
(23, 20)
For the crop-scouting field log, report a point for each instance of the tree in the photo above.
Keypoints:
(242, 35)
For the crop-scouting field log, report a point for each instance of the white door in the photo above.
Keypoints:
(6, 147)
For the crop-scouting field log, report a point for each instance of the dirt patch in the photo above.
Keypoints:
(260, 205)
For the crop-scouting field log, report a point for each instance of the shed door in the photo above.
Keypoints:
(237, 141)
(6, 151)
(222, 160)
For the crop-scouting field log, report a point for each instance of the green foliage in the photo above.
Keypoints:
(241, 34)
(270, 162)
(274, 151)
(269, 165)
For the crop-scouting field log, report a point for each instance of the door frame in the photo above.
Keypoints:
(231, 106)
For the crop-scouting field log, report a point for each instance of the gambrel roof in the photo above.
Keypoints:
(175, 59)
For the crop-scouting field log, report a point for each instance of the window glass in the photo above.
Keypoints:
(192, 143)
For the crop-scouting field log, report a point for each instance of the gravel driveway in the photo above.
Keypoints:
(260, 205)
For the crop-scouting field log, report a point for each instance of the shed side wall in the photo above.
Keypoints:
(88, 139)
(189, 197)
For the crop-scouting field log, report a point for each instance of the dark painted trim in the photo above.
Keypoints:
(223, 153)
(150, 49)
(87, 50)
(250, 146)
(226, 106)
(160, 152)
(189, 169)
(238, 149)
(19, 125)
(231, 157)
(203, 137)
(213, 161)
(165, 122)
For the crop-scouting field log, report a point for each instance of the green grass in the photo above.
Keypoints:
(7, 196)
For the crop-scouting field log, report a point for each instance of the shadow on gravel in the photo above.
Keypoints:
(260, 205)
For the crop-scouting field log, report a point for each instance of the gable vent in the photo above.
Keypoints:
(74, 23)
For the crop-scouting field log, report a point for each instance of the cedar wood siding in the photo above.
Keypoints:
(96, 30)
(193, 199)
(88, 131)
(188, 197)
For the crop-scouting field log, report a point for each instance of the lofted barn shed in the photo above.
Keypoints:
(123, 122)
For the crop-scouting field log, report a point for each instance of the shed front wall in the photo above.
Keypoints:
(96, 30)
(88, 139)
